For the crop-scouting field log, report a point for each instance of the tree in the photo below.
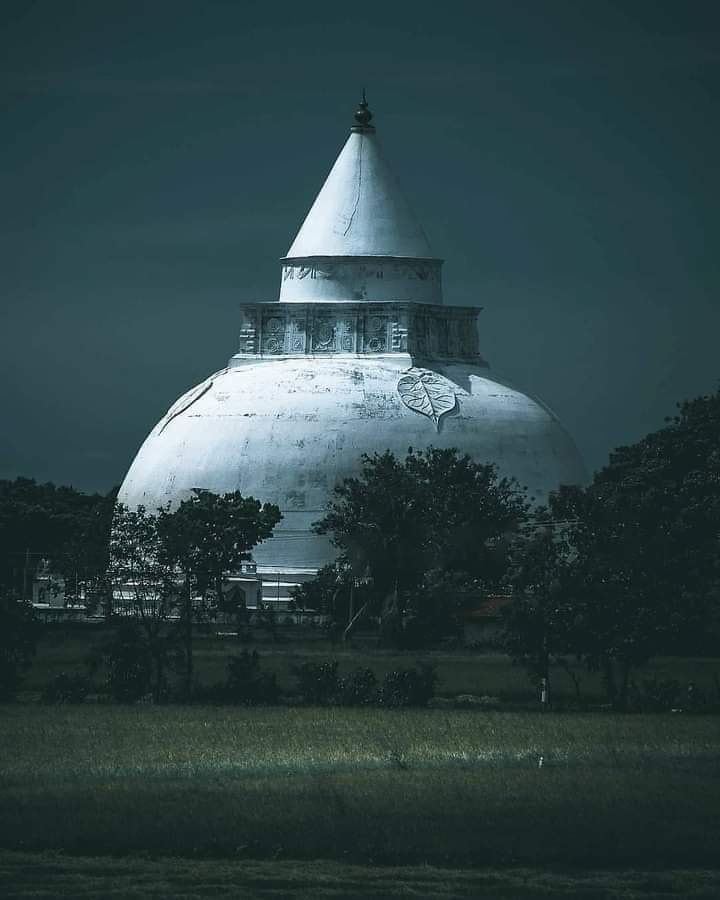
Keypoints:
(320, 593)
(646, 532)
(18, 636)
(142, 583)
(205, 539)
(538, 622)
(129, 663)
(411, 526)
(65, 527)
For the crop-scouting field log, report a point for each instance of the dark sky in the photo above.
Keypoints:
(158, 157)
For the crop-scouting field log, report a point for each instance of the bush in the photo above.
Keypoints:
(655, 695)
(359, 688)
(409, 687)
(246, 684)
(318, 682)
(67, 687)
(18, 636)
(129, 664)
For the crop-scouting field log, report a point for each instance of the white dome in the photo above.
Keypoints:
(287, 430)
(359, 355)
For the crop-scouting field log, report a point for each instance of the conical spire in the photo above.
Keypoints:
(361, 210)
(359, 231)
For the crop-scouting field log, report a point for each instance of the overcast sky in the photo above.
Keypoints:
(157, 158)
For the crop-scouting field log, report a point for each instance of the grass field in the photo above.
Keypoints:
(426, 786)
(192, 801)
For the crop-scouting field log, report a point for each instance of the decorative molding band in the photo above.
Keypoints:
(428, 331)
(353, 279)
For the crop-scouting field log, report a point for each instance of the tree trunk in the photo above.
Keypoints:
(624, 685)
(609, 680)
(159, 674)
(616, 675)
(573, 677)
(545, 676)
(188, 637)
(353, 622)
(389, 616)
(152, 636)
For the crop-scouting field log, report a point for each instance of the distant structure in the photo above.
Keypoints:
(359, 354)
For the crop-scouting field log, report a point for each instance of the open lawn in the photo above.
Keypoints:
(367, 785)
(193, 801)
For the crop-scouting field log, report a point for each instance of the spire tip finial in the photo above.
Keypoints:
(363, 116)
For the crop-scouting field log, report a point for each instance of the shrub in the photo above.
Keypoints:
(318, 682)
(409, 687)
(246, 684)
(359, 688)
(18, 636)
(655, 695)
(129, 664)
(67, 687)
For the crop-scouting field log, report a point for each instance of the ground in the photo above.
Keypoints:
(49, 876)
(460, 791)
(194, 801)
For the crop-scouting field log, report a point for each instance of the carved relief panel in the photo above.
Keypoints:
(375, 334)
(296, 337)
(347, 334)
(323, 334)
(273, 334)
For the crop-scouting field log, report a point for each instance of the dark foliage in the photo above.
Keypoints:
(409, 687)
(18, 636)
(538, 622)
(358, 688)
(145, 586)
(647, 536)
(67, 687)
(64, 527)
(129, 664)
(411, 528)
(206, 538)
(210, 535)
(629, 567)
(246, 684)
(655, 695)
(322, 592)
(318, 683)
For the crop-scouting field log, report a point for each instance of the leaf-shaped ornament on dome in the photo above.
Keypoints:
(187, 400)
(428, 393)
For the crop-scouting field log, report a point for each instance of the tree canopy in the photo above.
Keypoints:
(65, 526)
(18, 635)
(210, 535)
(207, 538)
(644, 574)
(176, 563)
(412, 525)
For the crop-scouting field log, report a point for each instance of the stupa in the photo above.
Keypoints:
(359, 354)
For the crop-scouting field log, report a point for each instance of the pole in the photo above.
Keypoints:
(25, 573)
